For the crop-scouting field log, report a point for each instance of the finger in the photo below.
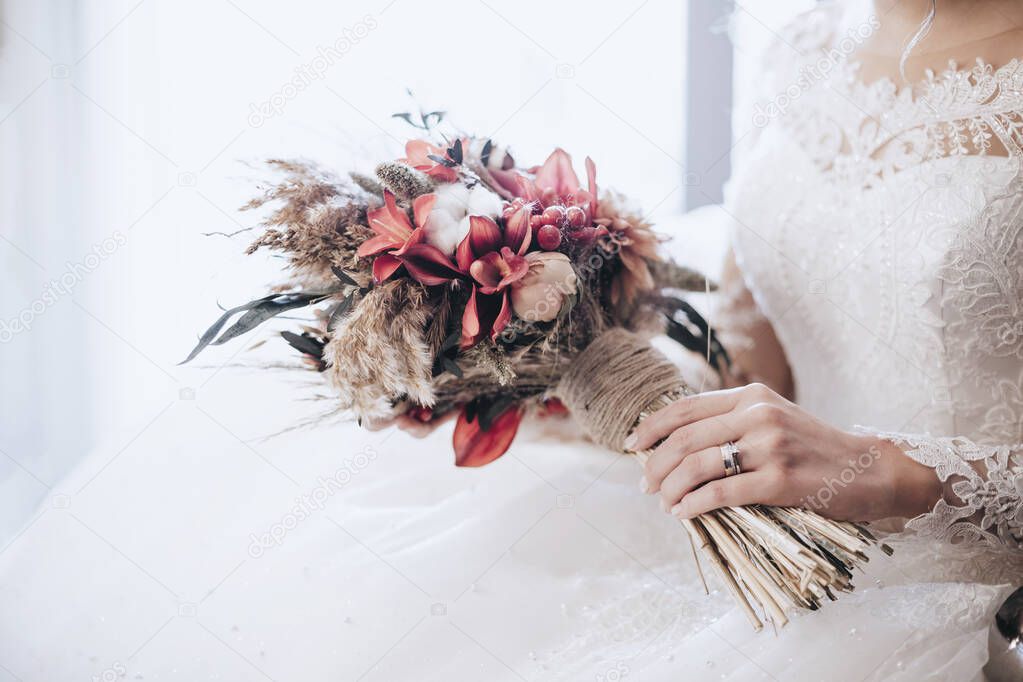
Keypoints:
(699, 468)
(733, 491)
(681, 412)
(378, 424)
(414, 427)
(421, 429)
(701, 435)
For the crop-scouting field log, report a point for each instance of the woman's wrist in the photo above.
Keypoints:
(916, 487)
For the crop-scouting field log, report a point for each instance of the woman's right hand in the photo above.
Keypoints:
(410, 425)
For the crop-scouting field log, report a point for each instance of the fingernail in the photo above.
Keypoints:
(630, 441)
(644, 487)
(676, 509)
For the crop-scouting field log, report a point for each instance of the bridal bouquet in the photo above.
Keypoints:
(454, 281)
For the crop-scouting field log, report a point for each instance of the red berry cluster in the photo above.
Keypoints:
(554, 222)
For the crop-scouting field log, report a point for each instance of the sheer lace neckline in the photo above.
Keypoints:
(978, 85)
(970, 82)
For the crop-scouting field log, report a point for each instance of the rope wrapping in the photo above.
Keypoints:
(613, 381)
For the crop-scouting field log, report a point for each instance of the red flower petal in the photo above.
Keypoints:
(591, 180)
(517, 233)
(481, 313)
(507, 180)
(417, 155)
(557, 174)
(384, 266)
(464, 255)
(503, 316)
(495, 271)
(475, 447)
(390, 221)
(484, 235)
(470, 322)
(428, 264)
(374, 245)
(487, 272)
(422, 206)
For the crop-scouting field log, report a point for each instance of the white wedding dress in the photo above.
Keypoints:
(882, 237)
(879, 229)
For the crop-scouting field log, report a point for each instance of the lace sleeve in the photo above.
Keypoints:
(983, 489)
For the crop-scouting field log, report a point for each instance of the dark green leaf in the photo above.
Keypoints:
(456, 151)
(211, 333)
(405, 117)
(451, 366)
(304, 343)
(342, 309)
(451, 341)
(343, 276)
(256, 312)
(259, 314)
(485, 154)
(441, 160)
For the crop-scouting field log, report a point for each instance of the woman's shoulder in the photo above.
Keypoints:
(798, 44)
(811, 30)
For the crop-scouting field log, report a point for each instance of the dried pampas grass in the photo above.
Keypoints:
(379, 351)
(319, 223)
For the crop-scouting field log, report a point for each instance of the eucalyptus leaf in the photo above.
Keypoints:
(211, 333)
(259, 314)
(304, 343)
(342, 309)
(451, 366)
(255, 313)
(343, 276)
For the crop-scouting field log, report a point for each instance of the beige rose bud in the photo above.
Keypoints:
(540, 294)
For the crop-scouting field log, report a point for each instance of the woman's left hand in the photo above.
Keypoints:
(787, 458)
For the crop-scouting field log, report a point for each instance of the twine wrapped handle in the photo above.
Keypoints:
(610, 384)
(774, 557)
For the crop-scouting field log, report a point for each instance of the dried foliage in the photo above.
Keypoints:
(318, 222)
(379, 352)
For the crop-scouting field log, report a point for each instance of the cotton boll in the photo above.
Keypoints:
(484, 202)
(445, 231)
(448, 222)
(452, 199)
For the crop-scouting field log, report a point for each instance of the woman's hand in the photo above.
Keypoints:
(787, 458)
(410, 425)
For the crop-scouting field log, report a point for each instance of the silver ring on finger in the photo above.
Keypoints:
(730, 459)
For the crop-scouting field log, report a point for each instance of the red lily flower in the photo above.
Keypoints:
(404, 243)
(494, 260)
(417, 155)
(475, 447)
(554, 183)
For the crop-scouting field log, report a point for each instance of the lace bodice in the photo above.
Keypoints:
(880, 230)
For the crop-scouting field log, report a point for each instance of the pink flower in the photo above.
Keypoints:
(494, 260)
(554, 183)
(404, 243)
(540, 295)
(417, 155)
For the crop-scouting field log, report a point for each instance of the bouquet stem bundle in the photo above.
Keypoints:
(774, 558)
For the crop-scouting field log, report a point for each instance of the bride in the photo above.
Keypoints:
(875, 289)
(874, 306)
